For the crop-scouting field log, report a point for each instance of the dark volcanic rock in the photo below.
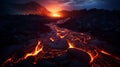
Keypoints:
(45, 63)
(80, 56)
(59, 44)
(32, 8)
(102, 24)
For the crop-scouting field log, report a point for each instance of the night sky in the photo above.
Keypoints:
(67, 4)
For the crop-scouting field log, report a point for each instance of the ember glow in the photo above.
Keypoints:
(54, 9)
(70, 44)
(52, 39)
(74, 40)
(55, 15)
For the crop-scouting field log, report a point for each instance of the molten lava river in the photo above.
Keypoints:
(61, 42)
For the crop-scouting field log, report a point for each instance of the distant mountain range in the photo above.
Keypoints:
(27, 8)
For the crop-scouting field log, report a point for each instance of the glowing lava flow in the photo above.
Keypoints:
(104, 52)
(38, 48)
(74, 40)
(70, 44)
(35, 52)
(80, 41)
(55, 14)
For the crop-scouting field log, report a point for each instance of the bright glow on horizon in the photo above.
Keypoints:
(56, 15)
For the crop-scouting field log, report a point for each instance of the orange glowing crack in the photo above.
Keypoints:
(8, 60)
(52, 39)
(106, 53)
(61, 36)
(61, 33)
(92, 57)
(35, 52)
(70, 44)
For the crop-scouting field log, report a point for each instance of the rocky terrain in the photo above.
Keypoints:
(19, 30)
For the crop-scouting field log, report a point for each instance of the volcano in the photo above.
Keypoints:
(30, 8)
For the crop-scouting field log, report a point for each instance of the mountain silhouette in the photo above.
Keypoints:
(31, 8)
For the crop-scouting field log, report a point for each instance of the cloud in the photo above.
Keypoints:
(106, 4)
(111, 4)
